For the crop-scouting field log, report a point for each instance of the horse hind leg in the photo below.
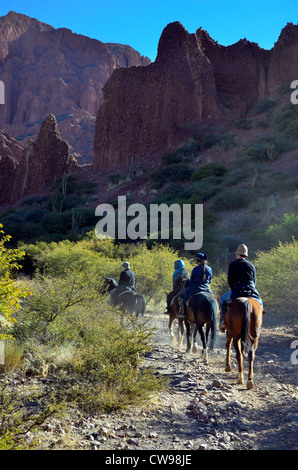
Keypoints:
(180, 332)
(228, 355)
(194, 344)
(173, 337)
(203, 339)
(251, 357)
(239, 357)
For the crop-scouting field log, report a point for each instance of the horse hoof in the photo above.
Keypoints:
(228, 368)
(240, 378)
(250, 384)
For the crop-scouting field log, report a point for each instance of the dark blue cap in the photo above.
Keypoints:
(202, 256)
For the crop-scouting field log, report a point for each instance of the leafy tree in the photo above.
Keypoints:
(11, 291)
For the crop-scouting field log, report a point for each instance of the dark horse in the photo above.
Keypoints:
(127, 300)
(201, 311)
(244, 322)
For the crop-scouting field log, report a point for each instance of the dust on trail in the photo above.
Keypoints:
(203, 408)
(224, 414)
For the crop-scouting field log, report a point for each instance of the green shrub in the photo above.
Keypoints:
(173, 193)
(183, 153)
(232, 199)
(267, 148)
(277, 276)
(243, 123)
(263, 105)
(171, 173)
(211, 169)
(116, 178)
(282, 230)
(286, 121)
(205, 189)
(223, 141)
(292, 129)
(273, 182)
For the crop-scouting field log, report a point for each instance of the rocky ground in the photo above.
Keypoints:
(204, 407)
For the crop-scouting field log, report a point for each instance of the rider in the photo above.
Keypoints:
(242, 280)
(126, 281)
(199, 281)
(127, 277)
(180, 277)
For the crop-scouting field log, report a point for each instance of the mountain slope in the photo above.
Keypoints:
(54, 71)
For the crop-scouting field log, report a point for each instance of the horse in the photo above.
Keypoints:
(202, 310)
(243, 322)
(128, 301)
(173, 312)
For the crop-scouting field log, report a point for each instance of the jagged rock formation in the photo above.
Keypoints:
(47, 70)
(26, 170)
(11, 153)
(193, 82)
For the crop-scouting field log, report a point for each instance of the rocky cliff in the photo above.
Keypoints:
(47, 70)
(27, 169)
(194, 82)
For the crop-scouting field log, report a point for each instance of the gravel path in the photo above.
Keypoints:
(204, 407)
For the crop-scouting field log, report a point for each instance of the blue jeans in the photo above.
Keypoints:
(227, 296)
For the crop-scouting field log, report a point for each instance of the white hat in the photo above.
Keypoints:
(242, 250)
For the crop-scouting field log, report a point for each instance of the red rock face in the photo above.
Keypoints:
(26, 170)
(193, 82)
(150, 109)
(47, 70)
(283, 65)
(11, 153)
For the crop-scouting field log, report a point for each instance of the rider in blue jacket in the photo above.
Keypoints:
(199, 281)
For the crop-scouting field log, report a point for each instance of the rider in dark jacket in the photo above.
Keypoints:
(126, 281)
(127, 277)
(199, 281)
(242, 280)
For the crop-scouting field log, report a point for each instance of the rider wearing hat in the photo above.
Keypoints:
(126, 281)
(199, 281)
(127, 277)
(242, 280)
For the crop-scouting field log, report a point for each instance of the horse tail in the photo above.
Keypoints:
(205, 308)
(212, 312)
(140, 304)
(245, 326)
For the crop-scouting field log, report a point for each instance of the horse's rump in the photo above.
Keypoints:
(245, 318)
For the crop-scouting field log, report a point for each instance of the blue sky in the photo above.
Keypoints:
(139, 23)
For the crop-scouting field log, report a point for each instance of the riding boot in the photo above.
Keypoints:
(181, 313)
(223, 311)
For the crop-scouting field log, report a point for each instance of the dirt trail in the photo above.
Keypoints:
(205, 408)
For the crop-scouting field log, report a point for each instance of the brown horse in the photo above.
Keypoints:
(173, 310)
(244, 322)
